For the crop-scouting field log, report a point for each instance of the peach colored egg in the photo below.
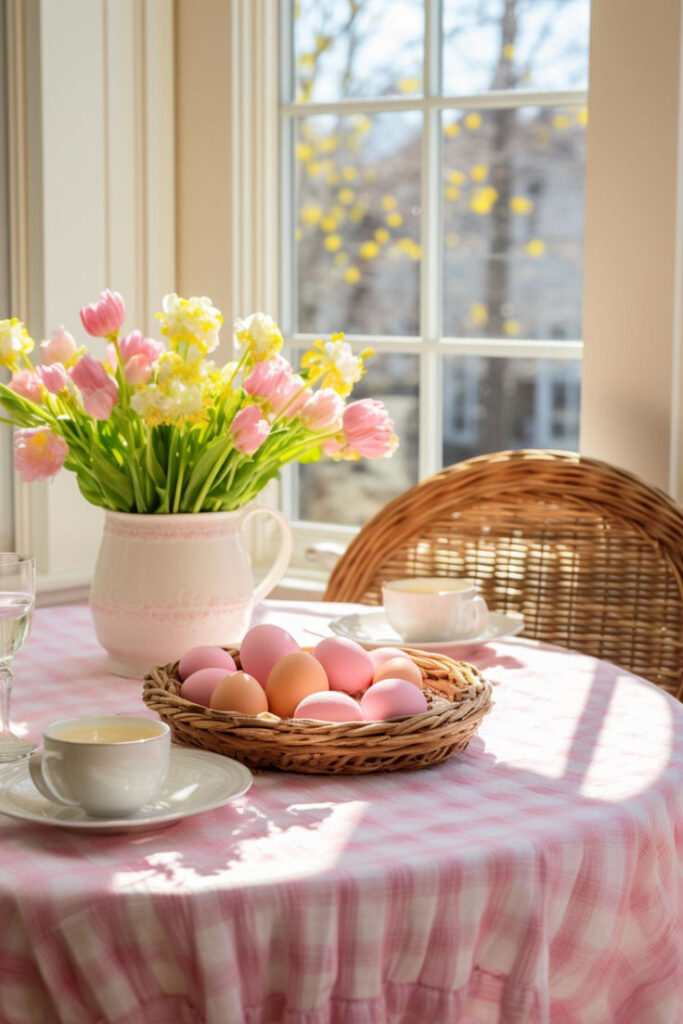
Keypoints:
(262, 646)
(200, 685)
(382, 654)
(347, 665)
(239, 692)
(291, 679)
(392, 698)
(329, 707)
(400, 668)
(205, 657)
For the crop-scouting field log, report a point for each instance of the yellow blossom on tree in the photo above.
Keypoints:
(479, 172)
(362, 123)
(452, 239)
(352, 275)
(328, 223)
(479, 314)
(310, 214)
(408, 84)
(452, 192)
(512, 327)
(520, 204)
(358, 212)
(338, 212)
(456, 177)
(509, 51)
(346, 196)
(382, 236)
(482, 199)
(349, 173)
(368, 250)
(389, 202)
(560, 122)
(582, 116)
(535, 247)
(328, 144)
(394, 219)
(303, 151)
(451, 129)
(314, 168)
(332, 178)
(332, 243)
(473, 121)
(297, 234)
(307, 62)
(341, 259)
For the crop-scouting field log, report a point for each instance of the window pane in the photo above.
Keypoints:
(513, 199)
(357, 48)
(513, 44)
(358, 223)
(493, 404)
(351, 492)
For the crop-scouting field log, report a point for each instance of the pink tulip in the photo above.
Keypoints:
(291, 396)
(137, 355)
(60, 347)
(332, 446)
(368, 429)
(267, 377)
(323, 410)
(54, 377)
(249, 430)
(104, 317)
(38, 453)
(99, 391)
(26, 384)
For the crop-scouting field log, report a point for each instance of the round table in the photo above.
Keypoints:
(534, 879)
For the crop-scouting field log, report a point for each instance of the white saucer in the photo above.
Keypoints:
(372, 630)
(197, 781)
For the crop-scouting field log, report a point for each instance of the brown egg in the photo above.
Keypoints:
(291, 679)
(399, 668)
(239, 692)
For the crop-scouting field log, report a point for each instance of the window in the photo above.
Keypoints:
(433, 169)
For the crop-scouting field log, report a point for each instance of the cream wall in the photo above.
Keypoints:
(6, 489)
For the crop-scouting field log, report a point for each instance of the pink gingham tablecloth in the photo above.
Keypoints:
(536, 879)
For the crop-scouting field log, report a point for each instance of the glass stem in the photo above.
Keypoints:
(6, 677)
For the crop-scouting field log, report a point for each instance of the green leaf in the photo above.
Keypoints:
(312, 455)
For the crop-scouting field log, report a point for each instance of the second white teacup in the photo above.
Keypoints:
(108, 765)
(434, 608)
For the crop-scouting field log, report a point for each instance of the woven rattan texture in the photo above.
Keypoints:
(591, 556)
(458, 699)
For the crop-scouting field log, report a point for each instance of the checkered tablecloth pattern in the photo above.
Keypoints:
(536, 879)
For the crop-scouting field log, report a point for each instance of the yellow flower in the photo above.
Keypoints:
(483, 199)
(473, 121)
(333, 362)
(352, 275)
(394, 220)
(368, 250)
(535, 247)
(582, 116)
(358, 212)
(512, 327)
(260, 334)
(15, 341)
(479, 172)
(382, 236)
(509, 51)
(306, 62)
(332, 178)
(389, 202)
(452, 192)
(328, 223)
(332, 243)
(303, 151)
(328, 144)
(297, 234)
(451, 129)
(314, 168)
(479, 314)
(190, 324)
(560, 122)
(456, 177)
(310, 214)
(349, 173)
(520, 204)
(346, 196)
(408, 84)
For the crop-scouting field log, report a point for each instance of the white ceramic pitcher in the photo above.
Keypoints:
(166, 583)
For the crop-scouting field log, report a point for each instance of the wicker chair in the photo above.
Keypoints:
(591, 556)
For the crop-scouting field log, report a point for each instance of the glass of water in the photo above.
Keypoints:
(17, 598)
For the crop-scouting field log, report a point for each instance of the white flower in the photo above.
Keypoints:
(260, 334)
(194, 322)
(348, 366)
(172, 404)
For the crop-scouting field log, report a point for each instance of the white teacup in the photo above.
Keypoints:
(434, 608)
(108, 765)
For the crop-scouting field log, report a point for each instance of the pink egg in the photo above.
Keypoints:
(262, 646)
(329, 707)
(400, 668)
(347, 665)
(382, 654)
(200, 685)
(205, 657)
(392, 698)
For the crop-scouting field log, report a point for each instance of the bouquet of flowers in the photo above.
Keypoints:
(163, 429)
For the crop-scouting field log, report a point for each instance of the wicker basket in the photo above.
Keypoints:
(457, 695)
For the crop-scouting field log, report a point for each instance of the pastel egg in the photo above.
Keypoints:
(348, 666)
(200, 685)
(400, 668)
(239, 692)
(205, 657)
(392, 698)
(262, 646)
(291, 679)
(329, 707)
(382, 654)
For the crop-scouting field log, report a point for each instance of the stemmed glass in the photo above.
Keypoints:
(17, 597)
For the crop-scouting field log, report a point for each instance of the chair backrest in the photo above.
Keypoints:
(590, 555)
